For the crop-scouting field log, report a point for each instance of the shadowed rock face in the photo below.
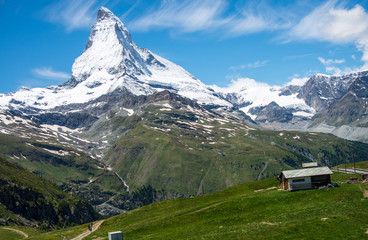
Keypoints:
(19, 201)
(347, 117)
(360, 87)
(70, 120)
(351, 108)
(320, 91)
(272, 113)
(46, 208)
(33, 206)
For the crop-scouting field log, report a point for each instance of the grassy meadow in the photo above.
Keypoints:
(256, 210)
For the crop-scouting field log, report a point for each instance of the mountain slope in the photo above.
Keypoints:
(27, 199)
(249, 95)
(248, 211)
(320, 91)
(55, 162)
(347, 117)
(187, 150)
(164, 146)
(297, 103)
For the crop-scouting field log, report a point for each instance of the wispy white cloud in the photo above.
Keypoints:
(296, 80)
(334, 23)
(299, 56)
(209, 16)
(131, 8)
(363, 47)
(48, 72)
(332, 68)
(256, 64)
(185, 16)
(74, 14)
(258, 16)
(328, 62)
(240, 84)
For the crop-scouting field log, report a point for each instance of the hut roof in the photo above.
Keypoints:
(307, 172)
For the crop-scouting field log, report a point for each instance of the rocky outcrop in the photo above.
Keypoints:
(320, 91)
(272, 113)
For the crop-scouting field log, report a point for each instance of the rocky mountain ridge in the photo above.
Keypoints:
(347, 116)
(320, 91)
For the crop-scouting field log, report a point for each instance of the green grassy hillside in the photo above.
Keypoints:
(188, 154)
(361, 165)
(70, 169)
(254, 210)
(27, 199)
(57, 163)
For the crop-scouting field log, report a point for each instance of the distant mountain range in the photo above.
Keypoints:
(130, 128)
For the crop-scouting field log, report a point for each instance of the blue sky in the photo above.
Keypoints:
(217, 41)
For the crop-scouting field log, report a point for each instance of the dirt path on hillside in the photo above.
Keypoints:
(365, 193)
(269, 223)
(205, 208)
(95, 226)
(260, 190)
(25, 235)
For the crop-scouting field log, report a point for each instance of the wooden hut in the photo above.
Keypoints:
(305, 178)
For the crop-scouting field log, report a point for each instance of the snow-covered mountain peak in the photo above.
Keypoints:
(112, 58)
(106, 19)
(112, 61)
(104, 13)
(110, 49)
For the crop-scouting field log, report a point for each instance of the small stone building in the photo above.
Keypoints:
(305, 178)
